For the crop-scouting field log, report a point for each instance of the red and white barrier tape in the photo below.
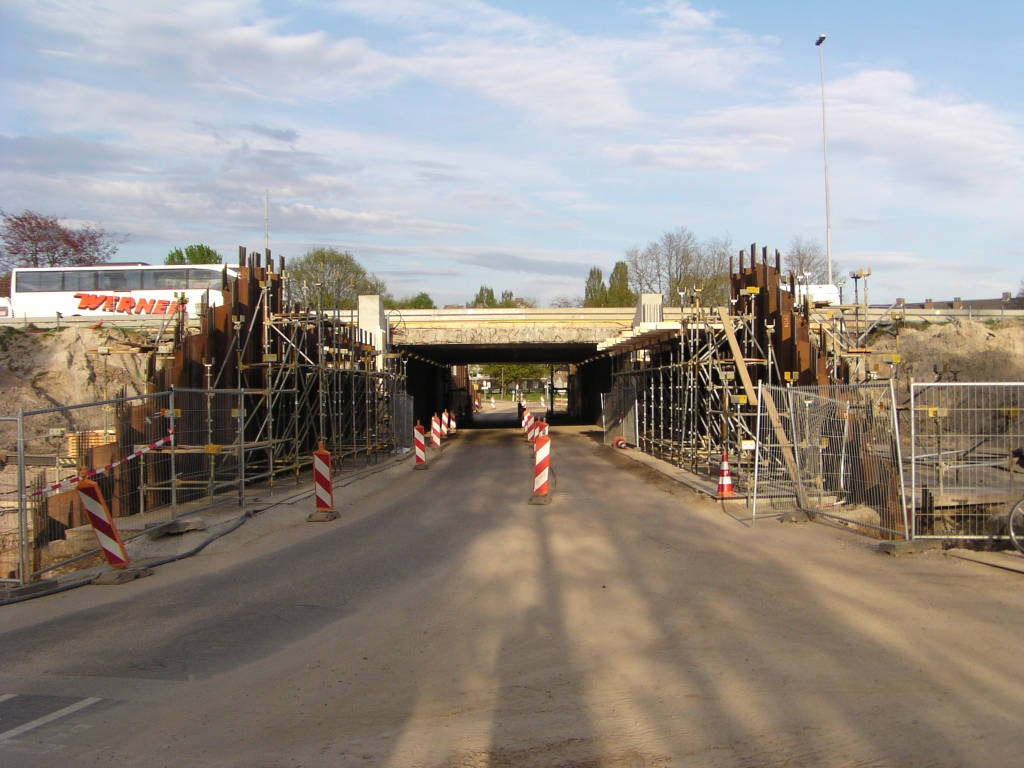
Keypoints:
(64, 484)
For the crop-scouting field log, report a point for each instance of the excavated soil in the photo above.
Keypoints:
(56, 368)
(959, 351)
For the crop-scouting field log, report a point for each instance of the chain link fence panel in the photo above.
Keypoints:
(833, 451)
(967, 458)
(619, 412)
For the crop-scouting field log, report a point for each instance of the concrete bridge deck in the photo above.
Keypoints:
(511, 335)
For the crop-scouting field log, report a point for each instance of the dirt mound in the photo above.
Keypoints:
(55, 368)
(959, 351)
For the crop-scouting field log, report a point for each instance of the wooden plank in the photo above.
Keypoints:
(773, 412)
(966, 497)
(737, 355)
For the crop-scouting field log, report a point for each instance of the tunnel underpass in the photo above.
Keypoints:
(435, 383)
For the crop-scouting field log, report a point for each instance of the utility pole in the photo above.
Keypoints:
(266, 223)
(824, 134)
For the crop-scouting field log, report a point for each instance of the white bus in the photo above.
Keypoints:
(115, 289)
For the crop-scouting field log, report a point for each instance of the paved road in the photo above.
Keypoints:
(445, 622)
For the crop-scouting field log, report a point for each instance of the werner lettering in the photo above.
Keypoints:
(127, 305)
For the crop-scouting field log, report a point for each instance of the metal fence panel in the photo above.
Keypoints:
(967, 465)
(11, 521)
(619, 414)
(404, 421)
(122, 444)
(834, 451)
(775, 489)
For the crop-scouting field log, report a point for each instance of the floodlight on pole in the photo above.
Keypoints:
(824, 133)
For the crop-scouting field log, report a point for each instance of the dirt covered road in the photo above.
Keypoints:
(445, 622)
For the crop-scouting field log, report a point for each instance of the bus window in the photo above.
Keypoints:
(36, 282)
(119, 280)
(165, 279)
(204, 278)
(80, 281)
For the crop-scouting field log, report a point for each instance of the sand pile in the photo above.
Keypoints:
(55, 368)
(960, 351)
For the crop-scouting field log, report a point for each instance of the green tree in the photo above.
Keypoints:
(515, 373)
(619, 294)
(342, 278)
(595, 292)
(194, 254)
(419, 301)
(485, 299)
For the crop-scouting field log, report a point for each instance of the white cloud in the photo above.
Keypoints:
(879, 117)
(234, 50)
(308, 217)
(465, 126)
(681, 15)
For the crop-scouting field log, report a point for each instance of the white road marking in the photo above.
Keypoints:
(48, 718)
(6, 696)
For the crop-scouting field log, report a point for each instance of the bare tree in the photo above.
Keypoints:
(678, 261)
(30, 239)
(716, 253)
(807, 257)
(563, 301)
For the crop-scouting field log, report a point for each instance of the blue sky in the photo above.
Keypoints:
(516, 144)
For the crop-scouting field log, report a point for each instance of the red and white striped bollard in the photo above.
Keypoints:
(323, 487)
(435, 431)
(541, 471)
(420, 446)
(102, 524)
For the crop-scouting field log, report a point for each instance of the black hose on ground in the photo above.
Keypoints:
(194, 551)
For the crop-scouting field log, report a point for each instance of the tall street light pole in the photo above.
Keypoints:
(824, 133)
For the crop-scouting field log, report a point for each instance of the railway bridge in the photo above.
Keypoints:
(527, 335)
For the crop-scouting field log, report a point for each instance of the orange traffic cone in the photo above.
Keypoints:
(725, 478)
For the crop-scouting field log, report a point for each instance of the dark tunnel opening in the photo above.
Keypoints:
(438, 379)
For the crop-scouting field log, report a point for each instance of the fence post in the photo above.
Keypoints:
(24, 553)
(211, 456)
(757, 450)
(241, 448)
(174, 465)
(913, 461)
(907, 532)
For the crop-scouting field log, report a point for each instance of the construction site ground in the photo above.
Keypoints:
(444, 621)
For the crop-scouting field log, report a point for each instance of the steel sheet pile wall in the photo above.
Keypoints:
(247, 399)
(832, 451)
(967, 458)
(694, 391)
